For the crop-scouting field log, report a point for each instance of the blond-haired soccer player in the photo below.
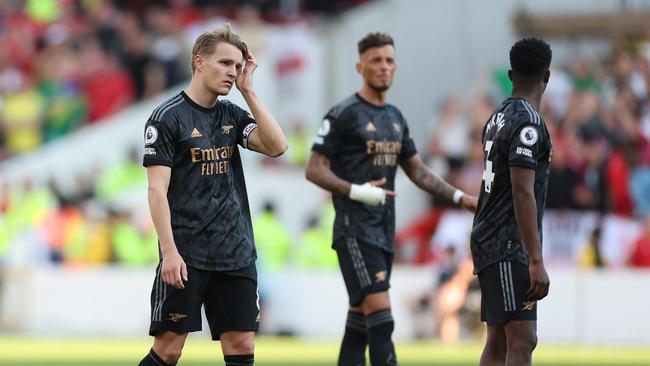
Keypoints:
(199, 206)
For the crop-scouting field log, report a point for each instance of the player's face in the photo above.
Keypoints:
(377, 67)
(219, 70)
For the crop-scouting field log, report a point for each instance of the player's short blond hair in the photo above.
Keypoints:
(207, 42)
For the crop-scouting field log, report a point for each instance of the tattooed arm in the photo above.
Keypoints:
(429, 181)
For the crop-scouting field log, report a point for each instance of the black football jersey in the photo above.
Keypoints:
(515, 135)
(210, 215)
(365, 142)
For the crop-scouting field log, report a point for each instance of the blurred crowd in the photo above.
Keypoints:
(67, 63)
(598, 114)
(94, 223)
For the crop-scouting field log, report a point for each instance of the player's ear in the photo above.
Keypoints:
(358, 67)
(198, 62)
(547, 76)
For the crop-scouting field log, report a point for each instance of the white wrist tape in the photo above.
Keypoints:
(458, 194)
(368, 194)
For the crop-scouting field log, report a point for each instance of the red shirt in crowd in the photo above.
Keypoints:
(640, 256)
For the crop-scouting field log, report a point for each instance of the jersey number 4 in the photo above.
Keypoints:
(488, 173)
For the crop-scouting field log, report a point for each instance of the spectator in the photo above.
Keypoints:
(640, 255)
(273, 242)
(315, 250)
(591, 254)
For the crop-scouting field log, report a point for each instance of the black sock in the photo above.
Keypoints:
(152, 359)
(380, 329)
(355, 339)
(239, 360)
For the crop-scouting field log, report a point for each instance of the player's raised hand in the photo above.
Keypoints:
(539, 282)
(244, 81)
(174, 270)
(469, 202)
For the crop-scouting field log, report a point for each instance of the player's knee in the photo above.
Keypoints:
(523, 345)
(239, 344)
(170, 355)
(244, 348)
(495, 351)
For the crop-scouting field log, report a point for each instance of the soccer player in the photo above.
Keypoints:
(199, 206)
(355, 156)
(506, 239)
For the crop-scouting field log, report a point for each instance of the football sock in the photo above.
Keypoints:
(239, 360)
(380, 329)
(355, 339)
(152, 359)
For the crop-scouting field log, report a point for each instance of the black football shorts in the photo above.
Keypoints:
(231, 302)
(503, 293)
(366, 268)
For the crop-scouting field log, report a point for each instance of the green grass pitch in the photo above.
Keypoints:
(21, 351)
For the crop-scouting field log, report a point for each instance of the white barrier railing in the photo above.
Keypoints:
(596, 307)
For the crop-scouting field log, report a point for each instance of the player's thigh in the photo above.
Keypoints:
(521, 334)
(375, 302)
(232, 302)
(496, 338)
(178, 310)
(237, 343)
(366, 269)
(503, 293)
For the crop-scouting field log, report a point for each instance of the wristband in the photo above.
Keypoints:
(458, 194)
(368, 194)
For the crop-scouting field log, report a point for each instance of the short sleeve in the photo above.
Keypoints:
(244, 124)
(524, 145)
(159, 143)
(330, 135)
(408, 146)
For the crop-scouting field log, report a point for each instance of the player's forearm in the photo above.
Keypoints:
(161, 217)
(426, 179)
(270, 133)
(320, 174)
(526, 216)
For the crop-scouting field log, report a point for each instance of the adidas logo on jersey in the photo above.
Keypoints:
(370, 127)
(196, 133)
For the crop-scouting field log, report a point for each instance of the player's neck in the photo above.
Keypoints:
(200, 95)
(533, 97)
(373, 96)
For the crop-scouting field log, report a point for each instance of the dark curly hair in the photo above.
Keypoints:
(530, 57)
(375, 40)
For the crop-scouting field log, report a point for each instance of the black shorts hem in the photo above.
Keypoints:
(357, 300)
(527, 315)
(216, 334)
(156, 329)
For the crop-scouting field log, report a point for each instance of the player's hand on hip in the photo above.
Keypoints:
(244, 80)
(469, 202)
(539, 282)
(174, 270)
(371, 192)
